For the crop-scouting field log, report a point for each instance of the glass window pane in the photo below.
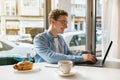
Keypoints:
(98, 27)
(76, 22)
(20, 21)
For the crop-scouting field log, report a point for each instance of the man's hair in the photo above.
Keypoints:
(56, 13)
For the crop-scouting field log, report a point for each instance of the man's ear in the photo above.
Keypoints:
(52, 21)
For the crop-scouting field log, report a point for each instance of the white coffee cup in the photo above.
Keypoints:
(65, 66)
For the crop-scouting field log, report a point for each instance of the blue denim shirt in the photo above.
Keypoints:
(45, 49)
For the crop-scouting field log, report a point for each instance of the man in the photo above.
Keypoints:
(50, 47)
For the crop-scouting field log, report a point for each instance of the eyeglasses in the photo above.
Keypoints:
(63, 22)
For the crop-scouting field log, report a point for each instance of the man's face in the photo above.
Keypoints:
(61, 24)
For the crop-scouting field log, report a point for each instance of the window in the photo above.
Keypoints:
(12, 27)
(76, 27)
(29, 7)
(10, 7)
(27, 17)
(78, 40)
(18, 17)
(78, 22)
(98, 23)
(81, 26)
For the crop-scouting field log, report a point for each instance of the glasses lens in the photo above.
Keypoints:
(63, 22)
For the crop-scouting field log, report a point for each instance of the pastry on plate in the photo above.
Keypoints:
(24, 65)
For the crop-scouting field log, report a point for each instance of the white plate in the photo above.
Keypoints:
(35, 69)
(73, 72)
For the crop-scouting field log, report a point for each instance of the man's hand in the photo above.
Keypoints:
(89, 57)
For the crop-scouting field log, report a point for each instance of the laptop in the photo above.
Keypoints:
(100, 62)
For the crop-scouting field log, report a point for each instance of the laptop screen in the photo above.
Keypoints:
(107, 52)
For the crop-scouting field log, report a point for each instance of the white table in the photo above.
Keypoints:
(45, 73)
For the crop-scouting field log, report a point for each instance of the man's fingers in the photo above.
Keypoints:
(89, 57)
(93, 58)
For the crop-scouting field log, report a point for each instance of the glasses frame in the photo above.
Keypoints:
(63, 22)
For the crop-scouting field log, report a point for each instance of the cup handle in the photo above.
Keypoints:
(60, 65)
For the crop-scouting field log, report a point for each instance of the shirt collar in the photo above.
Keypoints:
(50, 36)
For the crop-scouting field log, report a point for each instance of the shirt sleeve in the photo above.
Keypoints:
(42, 49)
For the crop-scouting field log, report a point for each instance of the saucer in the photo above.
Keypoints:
(73, 72)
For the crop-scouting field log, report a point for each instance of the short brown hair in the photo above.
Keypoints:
(56, 13)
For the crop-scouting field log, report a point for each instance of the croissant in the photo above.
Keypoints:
(24, 65)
